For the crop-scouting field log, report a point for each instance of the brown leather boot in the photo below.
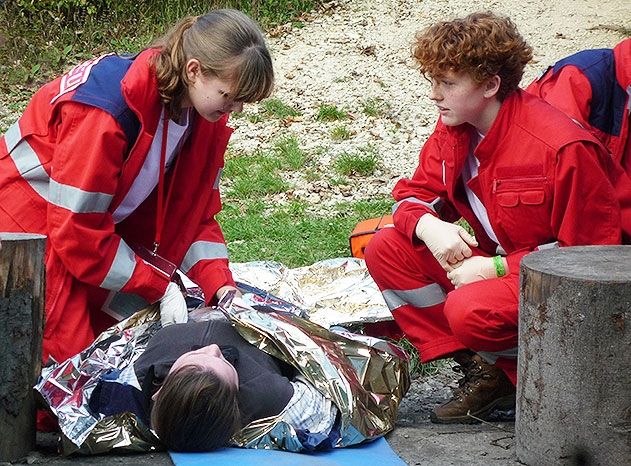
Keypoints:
(483, 388)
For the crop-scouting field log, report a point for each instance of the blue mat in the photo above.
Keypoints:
(377, 452)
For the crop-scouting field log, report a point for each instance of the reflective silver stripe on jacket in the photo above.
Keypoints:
(218, 179)
(26, 161)
(434, 205)
(425, 296)
(78, 200)
(491, 357)
(542, 247)
(122, 268)
(202, 250)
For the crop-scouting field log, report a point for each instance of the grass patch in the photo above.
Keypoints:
(276, 108)
(340, 133)
(328, 112)
(258, 174)
(253, 175)
(375, 107)
(251, 117)
(290, 153)
(417, 368)
(362, 164)
(290, 235)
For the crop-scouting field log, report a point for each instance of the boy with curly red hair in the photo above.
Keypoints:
(522, 174)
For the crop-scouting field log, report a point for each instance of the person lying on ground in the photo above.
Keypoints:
(198, 383)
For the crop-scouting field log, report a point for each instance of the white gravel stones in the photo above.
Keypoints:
(361, 51)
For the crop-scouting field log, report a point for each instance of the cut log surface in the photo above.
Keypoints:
(22, 296)
(574, 363)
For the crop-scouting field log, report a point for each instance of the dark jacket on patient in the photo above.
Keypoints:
(264, 386)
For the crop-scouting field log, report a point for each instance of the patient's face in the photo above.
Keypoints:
(209, 358)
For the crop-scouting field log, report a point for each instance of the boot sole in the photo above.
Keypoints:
(504, 402)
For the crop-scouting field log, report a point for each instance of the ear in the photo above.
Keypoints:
(193, 69)
(492, 86)
(154, 397)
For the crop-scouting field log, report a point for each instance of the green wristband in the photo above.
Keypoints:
(500, 270)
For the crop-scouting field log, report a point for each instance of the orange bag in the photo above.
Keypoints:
(364, 231)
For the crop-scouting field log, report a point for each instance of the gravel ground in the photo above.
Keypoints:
(360, 50)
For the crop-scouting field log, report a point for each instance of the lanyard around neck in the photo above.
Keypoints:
(162, 205)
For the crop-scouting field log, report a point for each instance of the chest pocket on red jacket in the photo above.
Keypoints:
(523, 207)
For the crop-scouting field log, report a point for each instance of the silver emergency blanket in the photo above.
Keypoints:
(365, 377)
(331, 292)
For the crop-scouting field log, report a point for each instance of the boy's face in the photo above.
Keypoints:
(459, 98)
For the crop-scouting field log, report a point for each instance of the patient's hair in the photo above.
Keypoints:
(481, 44)
(195, 410)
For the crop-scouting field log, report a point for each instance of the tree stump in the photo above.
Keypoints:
(22, 297)
(574, 363)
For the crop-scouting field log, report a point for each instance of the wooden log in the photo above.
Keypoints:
(22, 287)
(574, 360)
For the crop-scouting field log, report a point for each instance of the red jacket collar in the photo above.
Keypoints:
(622, 55)
(140, 89)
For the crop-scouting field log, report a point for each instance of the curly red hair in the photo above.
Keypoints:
(481, 44)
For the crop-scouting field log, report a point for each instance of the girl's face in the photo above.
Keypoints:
(209, 95)
(460, 99)
(209, 358)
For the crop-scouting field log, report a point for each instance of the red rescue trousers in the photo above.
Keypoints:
(438, 319)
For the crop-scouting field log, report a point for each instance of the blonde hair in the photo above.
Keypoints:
(227, 43)
(481, 44)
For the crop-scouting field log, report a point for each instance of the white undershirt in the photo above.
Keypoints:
(147, 178)
(470, 171)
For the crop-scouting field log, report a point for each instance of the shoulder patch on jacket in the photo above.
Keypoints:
(76, 76)
(97, 83)
(608, 98)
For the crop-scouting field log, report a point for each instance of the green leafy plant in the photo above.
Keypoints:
(39, 32)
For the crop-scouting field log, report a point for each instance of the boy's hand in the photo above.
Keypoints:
(474, 269)
(448, 242)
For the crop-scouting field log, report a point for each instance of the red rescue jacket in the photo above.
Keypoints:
(541, 180)
(67, 164)
(594, 88)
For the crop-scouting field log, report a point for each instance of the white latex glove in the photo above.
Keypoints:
(449, 243)
(173, 308)
(473, 269)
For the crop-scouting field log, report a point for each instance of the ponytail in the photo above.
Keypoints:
(227, 43)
